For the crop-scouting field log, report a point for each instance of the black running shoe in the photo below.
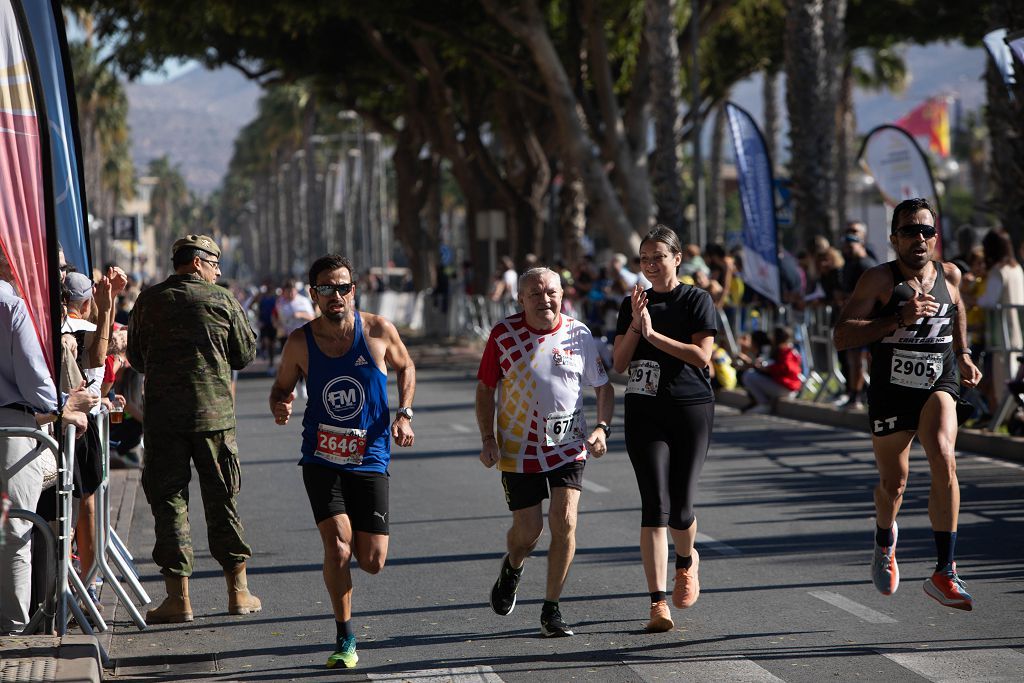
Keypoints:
(552, 625)
(503, 595)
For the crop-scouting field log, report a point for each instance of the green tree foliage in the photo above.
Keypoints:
(453, 87)
(103, 121)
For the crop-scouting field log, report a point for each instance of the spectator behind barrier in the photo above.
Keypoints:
(1004, 285)
(778, 377)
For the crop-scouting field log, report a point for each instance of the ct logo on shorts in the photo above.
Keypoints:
(343, 398)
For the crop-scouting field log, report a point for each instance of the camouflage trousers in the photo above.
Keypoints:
(165, 479)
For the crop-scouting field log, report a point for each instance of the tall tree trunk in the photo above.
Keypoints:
(770, 97)
(572, 218)
(666, 171)
(631, 182)
(413, 184)
(716, 189)
(263, 224)
(1005, 120)
(846, 124)
(607, 213)
(316, 243)
(281, 218)
(814, 44)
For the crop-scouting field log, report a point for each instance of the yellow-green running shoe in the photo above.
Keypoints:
(345, 656)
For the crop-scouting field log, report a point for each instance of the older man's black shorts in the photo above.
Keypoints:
(363, 496)
(526, 490)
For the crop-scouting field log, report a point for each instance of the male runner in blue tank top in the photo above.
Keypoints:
(346, 440)
(910, 312)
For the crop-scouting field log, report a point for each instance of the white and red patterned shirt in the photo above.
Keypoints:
(540, 404)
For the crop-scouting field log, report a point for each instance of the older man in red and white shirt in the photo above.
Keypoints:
(539, 360)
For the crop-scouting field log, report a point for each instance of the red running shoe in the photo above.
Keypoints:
(947, 588)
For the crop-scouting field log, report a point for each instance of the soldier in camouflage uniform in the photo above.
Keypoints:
(186, 335)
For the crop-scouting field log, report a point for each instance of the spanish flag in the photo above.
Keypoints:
(930, 120)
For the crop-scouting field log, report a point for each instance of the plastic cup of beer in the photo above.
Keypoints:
(116, 414)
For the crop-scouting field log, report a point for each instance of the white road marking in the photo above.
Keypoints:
(855, 608)
(466, 674)
(462, 429)
(710, 670)
(717, 546)
(1001, 463)
(596, 488)
(939, 666)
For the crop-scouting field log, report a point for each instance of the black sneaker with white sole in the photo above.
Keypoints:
(552, 625)
(503, 594)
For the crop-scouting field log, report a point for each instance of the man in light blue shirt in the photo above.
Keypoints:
(28, 398)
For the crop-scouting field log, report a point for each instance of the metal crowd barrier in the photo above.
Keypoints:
(55, 588)
(1008, 350)
(108, 544)
(824, 380)
(63, 588)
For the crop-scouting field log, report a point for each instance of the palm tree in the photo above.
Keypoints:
(666, 172)
(169, 203)
(103, 123)
(813, 49)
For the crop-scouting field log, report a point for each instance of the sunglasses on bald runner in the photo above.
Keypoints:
(908, 231)
(326, 290)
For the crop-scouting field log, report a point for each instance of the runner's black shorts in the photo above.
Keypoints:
(526, 490)
(363, 496)
(894, 409)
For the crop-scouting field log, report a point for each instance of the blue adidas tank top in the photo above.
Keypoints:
(347, 411)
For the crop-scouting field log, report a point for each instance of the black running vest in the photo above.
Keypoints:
(907, 357)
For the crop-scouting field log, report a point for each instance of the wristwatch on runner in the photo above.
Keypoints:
(605, 427)
(406, 413)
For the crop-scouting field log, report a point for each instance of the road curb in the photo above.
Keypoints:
(1000, 446)
(973, 440)
(43, 658)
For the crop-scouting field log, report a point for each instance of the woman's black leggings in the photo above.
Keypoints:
(667, 444)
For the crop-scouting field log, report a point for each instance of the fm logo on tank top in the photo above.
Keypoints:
(343, 397)
(935, 329)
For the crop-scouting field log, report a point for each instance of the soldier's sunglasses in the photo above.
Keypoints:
(908, 231)
(326, 290)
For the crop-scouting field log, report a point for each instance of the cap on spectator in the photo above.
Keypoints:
(79, 285)
(201, 242)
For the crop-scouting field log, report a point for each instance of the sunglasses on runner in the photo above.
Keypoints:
(908, 231)
(326, 290)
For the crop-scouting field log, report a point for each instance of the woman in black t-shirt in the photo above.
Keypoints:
(664, 340)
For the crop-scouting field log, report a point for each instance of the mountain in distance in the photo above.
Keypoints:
(194, 117)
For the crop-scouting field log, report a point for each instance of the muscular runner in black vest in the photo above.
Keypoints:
(910, 312)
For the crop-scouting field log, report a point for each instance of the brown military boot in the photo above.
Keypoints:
(176, 608)
(240, 600)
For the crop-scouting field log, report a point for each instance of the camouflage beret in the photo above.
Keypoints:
(197, 242)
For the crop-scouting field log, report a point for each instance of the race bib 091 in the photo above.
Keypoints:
(644, 376)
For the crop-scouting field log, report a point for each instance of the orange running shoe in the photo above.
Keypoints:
(687, 587)
(947, 588)
(661, 618)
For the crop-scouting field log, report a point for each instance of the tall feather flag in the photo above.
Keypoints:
(930, 120)
(26, 223)
(48, 37)
(900, 168)
(757, 200)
